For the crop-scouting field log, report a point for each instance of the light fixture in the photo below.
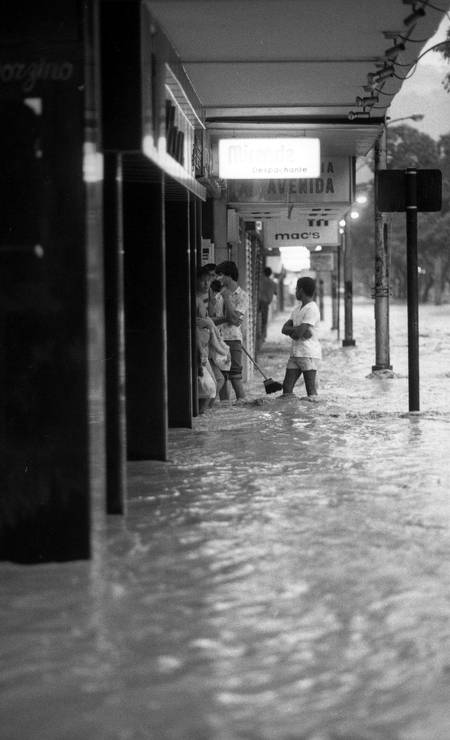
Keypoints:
(318, 248)
(383, 74)
(354, 215)
(361, 198)
(358, 114)
(414, 16)
(368, 100)
(341, 230)
(342, 223)
(393, 51)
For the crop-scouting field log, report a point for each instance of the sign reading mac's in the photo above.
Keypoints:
(264, 159)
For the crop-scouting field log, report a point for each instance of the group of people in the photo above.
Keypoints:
(222, 306)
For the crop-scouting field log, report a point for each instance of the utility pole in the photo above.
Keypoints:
(382, 259)
(413, 288)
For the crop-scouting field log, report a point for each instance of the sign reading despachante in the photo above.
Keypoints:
(333, 185)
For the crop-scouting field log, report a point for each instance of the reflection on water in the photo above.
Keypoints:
(285, 576)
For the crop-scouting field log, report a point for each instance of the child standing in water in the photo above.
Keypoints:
(306, 351)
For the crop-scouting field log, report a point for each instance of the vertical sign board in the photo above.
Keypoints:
(410, 190)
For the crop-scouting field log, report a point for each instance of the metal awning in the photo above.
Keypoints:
(296, 67)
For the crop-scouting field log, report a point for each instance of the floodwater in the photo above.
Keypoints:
(284, 577)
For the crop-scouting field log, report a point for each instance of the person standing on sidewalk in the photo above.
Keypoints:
(267, 290)
(306, 351)
(234, 309)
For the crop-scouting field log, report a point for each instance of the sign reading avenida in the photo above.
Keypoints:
(332, 184)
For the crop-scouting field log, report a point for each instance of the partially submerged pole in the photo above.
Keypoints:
(382, 288)
(412, 288)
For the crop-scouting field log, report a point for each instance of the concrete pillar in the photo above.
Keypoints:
(195, 235)
(220, 230)
(115, 335)
(178, 291)
(348, 340)
(145, 309)
(52, 467)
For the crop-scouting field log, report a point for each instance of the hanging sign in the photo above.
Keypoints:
(306, 232)
(332, 184)
(321, 262)
(269, 158)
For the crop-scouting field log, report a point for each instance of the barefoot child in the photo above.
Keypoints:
(306, 350)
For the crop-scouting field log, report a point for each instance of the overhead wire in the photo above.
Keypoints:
(414, 67)
(435, 7)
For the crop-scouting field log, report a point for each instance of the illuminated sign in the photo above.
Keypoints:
(264, 159)
(307, 232)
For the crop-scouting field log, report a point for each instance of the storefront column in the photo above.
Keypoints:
(220, 230)
(52, 464)
(145, 309)
(178, 287)
(348, 340)
(195, 229)
(115, 336)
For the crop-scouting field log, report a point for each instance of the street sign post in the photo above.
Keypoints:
(410, 190)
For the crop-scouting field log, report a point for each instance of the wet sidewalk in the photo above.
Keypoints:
(285, 576)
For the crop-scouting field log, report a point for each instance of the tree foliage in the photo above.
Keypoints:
(408, 147)
(445, 51)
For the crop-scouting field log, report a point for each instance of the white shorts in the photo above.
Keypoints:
(303, 363)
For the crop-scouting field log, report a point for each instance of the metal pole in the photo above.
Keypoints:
(412, 286)
(348, 340)
(319, 283)
(334, 303)
(381, 292)
(338, 289)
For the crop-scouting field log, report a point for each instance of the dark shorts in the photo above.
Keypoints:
(235, 370)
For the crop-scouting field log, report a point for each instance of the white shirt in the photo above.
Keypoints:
(307, 314)
(239, 299)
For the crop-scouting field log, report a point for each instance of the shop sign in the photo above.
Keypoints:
(321, 262)
(29, 74)
(306, 232)
(182, 142)
(272, 159)
(331, 185)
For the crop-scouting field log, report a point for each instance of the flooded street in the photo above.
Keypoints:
(285, 576)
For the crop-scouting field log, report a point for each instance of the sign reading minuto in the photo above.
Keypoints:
(269, 158)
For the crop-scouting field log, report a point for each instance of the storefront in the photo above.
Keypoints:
(101, 232)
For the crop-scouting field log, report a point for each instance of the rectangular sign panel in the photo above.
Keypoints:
(322, 262)
(331, 185)
(306, 232)
(274, 159)
(391, 192)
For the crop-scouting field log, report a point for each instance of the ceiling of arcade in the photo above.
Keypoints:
(296, 67)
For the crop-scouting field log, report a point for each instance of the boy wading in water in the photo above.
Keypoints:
(306, 351)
